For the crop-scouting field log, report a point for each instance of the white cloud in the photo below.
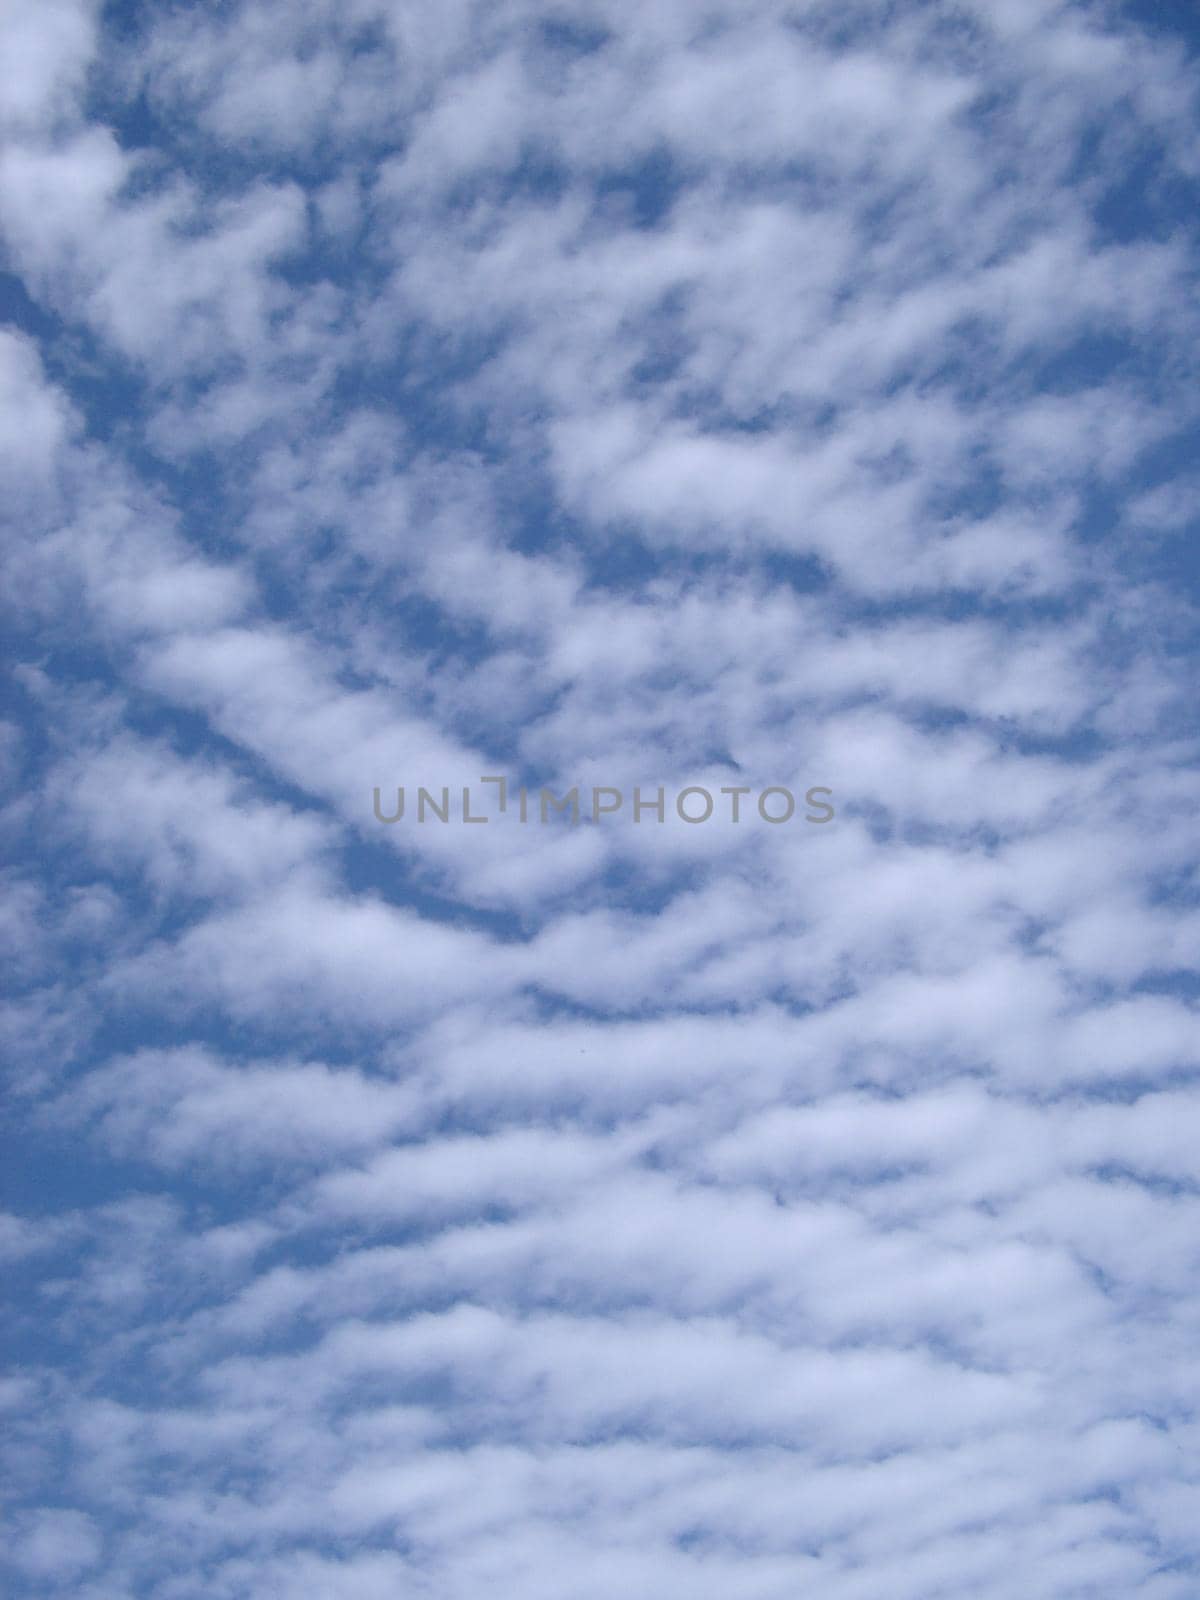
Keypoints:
(619, 395)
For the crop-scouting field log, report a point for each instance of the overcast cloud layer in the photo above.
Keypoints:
(612, 393)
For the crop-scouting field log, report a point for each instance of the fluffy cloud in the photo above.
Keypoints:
(603, 395)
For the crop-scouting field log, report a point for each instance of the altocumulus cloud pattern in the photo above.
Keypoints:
(612, 393)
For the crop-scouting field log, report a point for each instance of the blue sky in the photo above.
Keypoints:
(775, 394)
